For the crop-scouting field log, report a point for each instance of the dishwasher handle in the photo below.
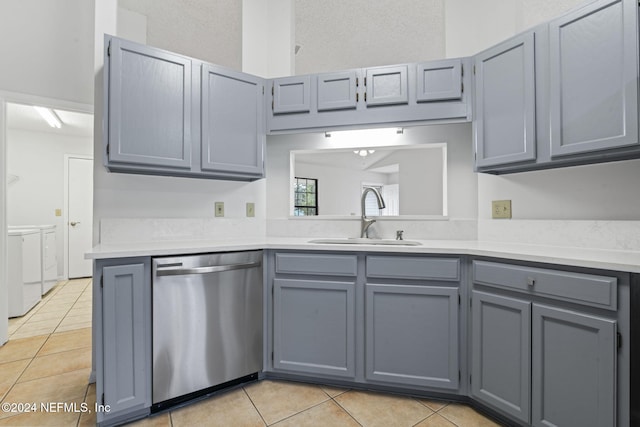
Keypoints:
(173, 270)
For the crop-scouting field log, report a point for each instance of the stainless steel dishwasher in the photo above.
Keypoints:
(207, 323)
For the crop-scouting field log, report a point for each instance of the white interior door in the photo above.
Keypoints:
(80, 214)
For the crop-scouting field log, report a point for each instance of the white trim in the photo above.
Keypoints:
(4, 292)
(65, 215)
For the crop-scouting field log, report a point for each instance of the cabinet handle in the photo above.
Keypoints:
(531, 281)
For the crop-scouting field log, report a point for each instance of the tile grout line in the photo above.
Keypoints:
(254, 406)
(345, 409)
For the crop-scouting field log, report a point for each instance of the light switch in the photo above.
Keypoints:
(58, 212)
(219, 209)
(501, 209)
(251, 209)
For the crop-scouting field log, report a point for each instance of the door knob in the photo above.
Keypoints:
(74, 223)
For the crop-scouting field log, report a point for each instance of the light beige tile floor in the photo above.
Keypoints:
(48, 359)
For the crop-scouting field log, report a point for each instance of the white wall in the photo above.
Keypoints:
(472, 26)
(268, 35)
(337, 34)
(47, 48)
(37, 158)
(606, 191)
(204, 29)
(4, 307)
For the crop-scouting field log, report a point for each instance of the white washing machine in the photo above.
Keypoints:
(48, 254)
(25, 270)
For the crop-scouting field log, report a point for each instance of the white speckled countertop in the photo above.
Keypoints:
(616, 260)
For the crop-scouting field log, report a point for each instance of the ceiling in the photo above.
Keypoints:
(25, 117)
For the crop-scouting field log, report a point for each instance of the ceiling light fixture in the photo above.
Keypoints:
(363, 153)
(50, 116)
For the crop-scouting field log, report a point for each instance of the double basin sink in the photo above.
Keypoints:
(365, 241)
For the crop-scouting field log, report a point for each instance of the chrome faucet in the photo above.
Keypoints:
(365, 222)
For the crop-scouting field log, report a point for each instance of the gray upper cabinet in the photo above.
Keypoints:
(233, 135)
(160, 103)
(504, 124)
(563, 94)
(397, 95)
(594, 78)
(337, 91)
(149, 108)
(439, 80)
(291, 95)
(386, 86)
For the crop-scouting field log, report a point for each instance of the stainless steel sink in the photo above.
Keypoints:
(364, 241)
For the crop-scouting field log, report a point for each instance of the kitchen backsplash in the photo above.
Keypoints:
(614, 235)
(123, 230)
(452, 229)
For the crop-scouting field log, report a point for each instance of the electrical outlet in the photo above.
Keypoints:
(251, 209)
(219, 209)
(501, 209)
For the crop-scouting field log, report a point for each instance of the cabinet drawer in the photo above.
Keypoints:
(413, 268)
(320, 264)
(588, 289)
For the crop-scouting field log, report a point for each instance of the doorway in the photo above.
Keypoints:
(79, 214)
(38, 156)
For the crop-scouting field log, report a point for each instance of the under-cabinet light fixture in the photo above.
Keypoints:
(366, 133)
(50, 116)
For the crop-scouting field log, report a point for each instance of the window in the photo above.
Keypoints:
(306, 197)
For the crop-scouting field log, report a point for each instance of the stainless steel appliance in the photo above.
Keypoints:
(207, 323)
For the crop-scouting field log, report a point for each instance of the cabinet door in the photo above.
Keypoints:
(439, 80)
(126, 296)
(412, 335)
(574, 369)
(314, 327)
(594, 78)
(291, 95)
(149, 106)
(504, 127)
(232, 122)
(501, 353)
(387, 86)
(337, 91)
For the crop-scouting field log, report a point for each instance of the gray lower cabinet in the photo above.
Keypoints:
(122, 334)
(314, 326)
(539, 362)
(574, 368)
(501, 353)
(168, 114)
(412, 335)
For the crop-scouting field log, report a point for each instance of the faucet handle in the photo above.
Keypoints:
(399, 235)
